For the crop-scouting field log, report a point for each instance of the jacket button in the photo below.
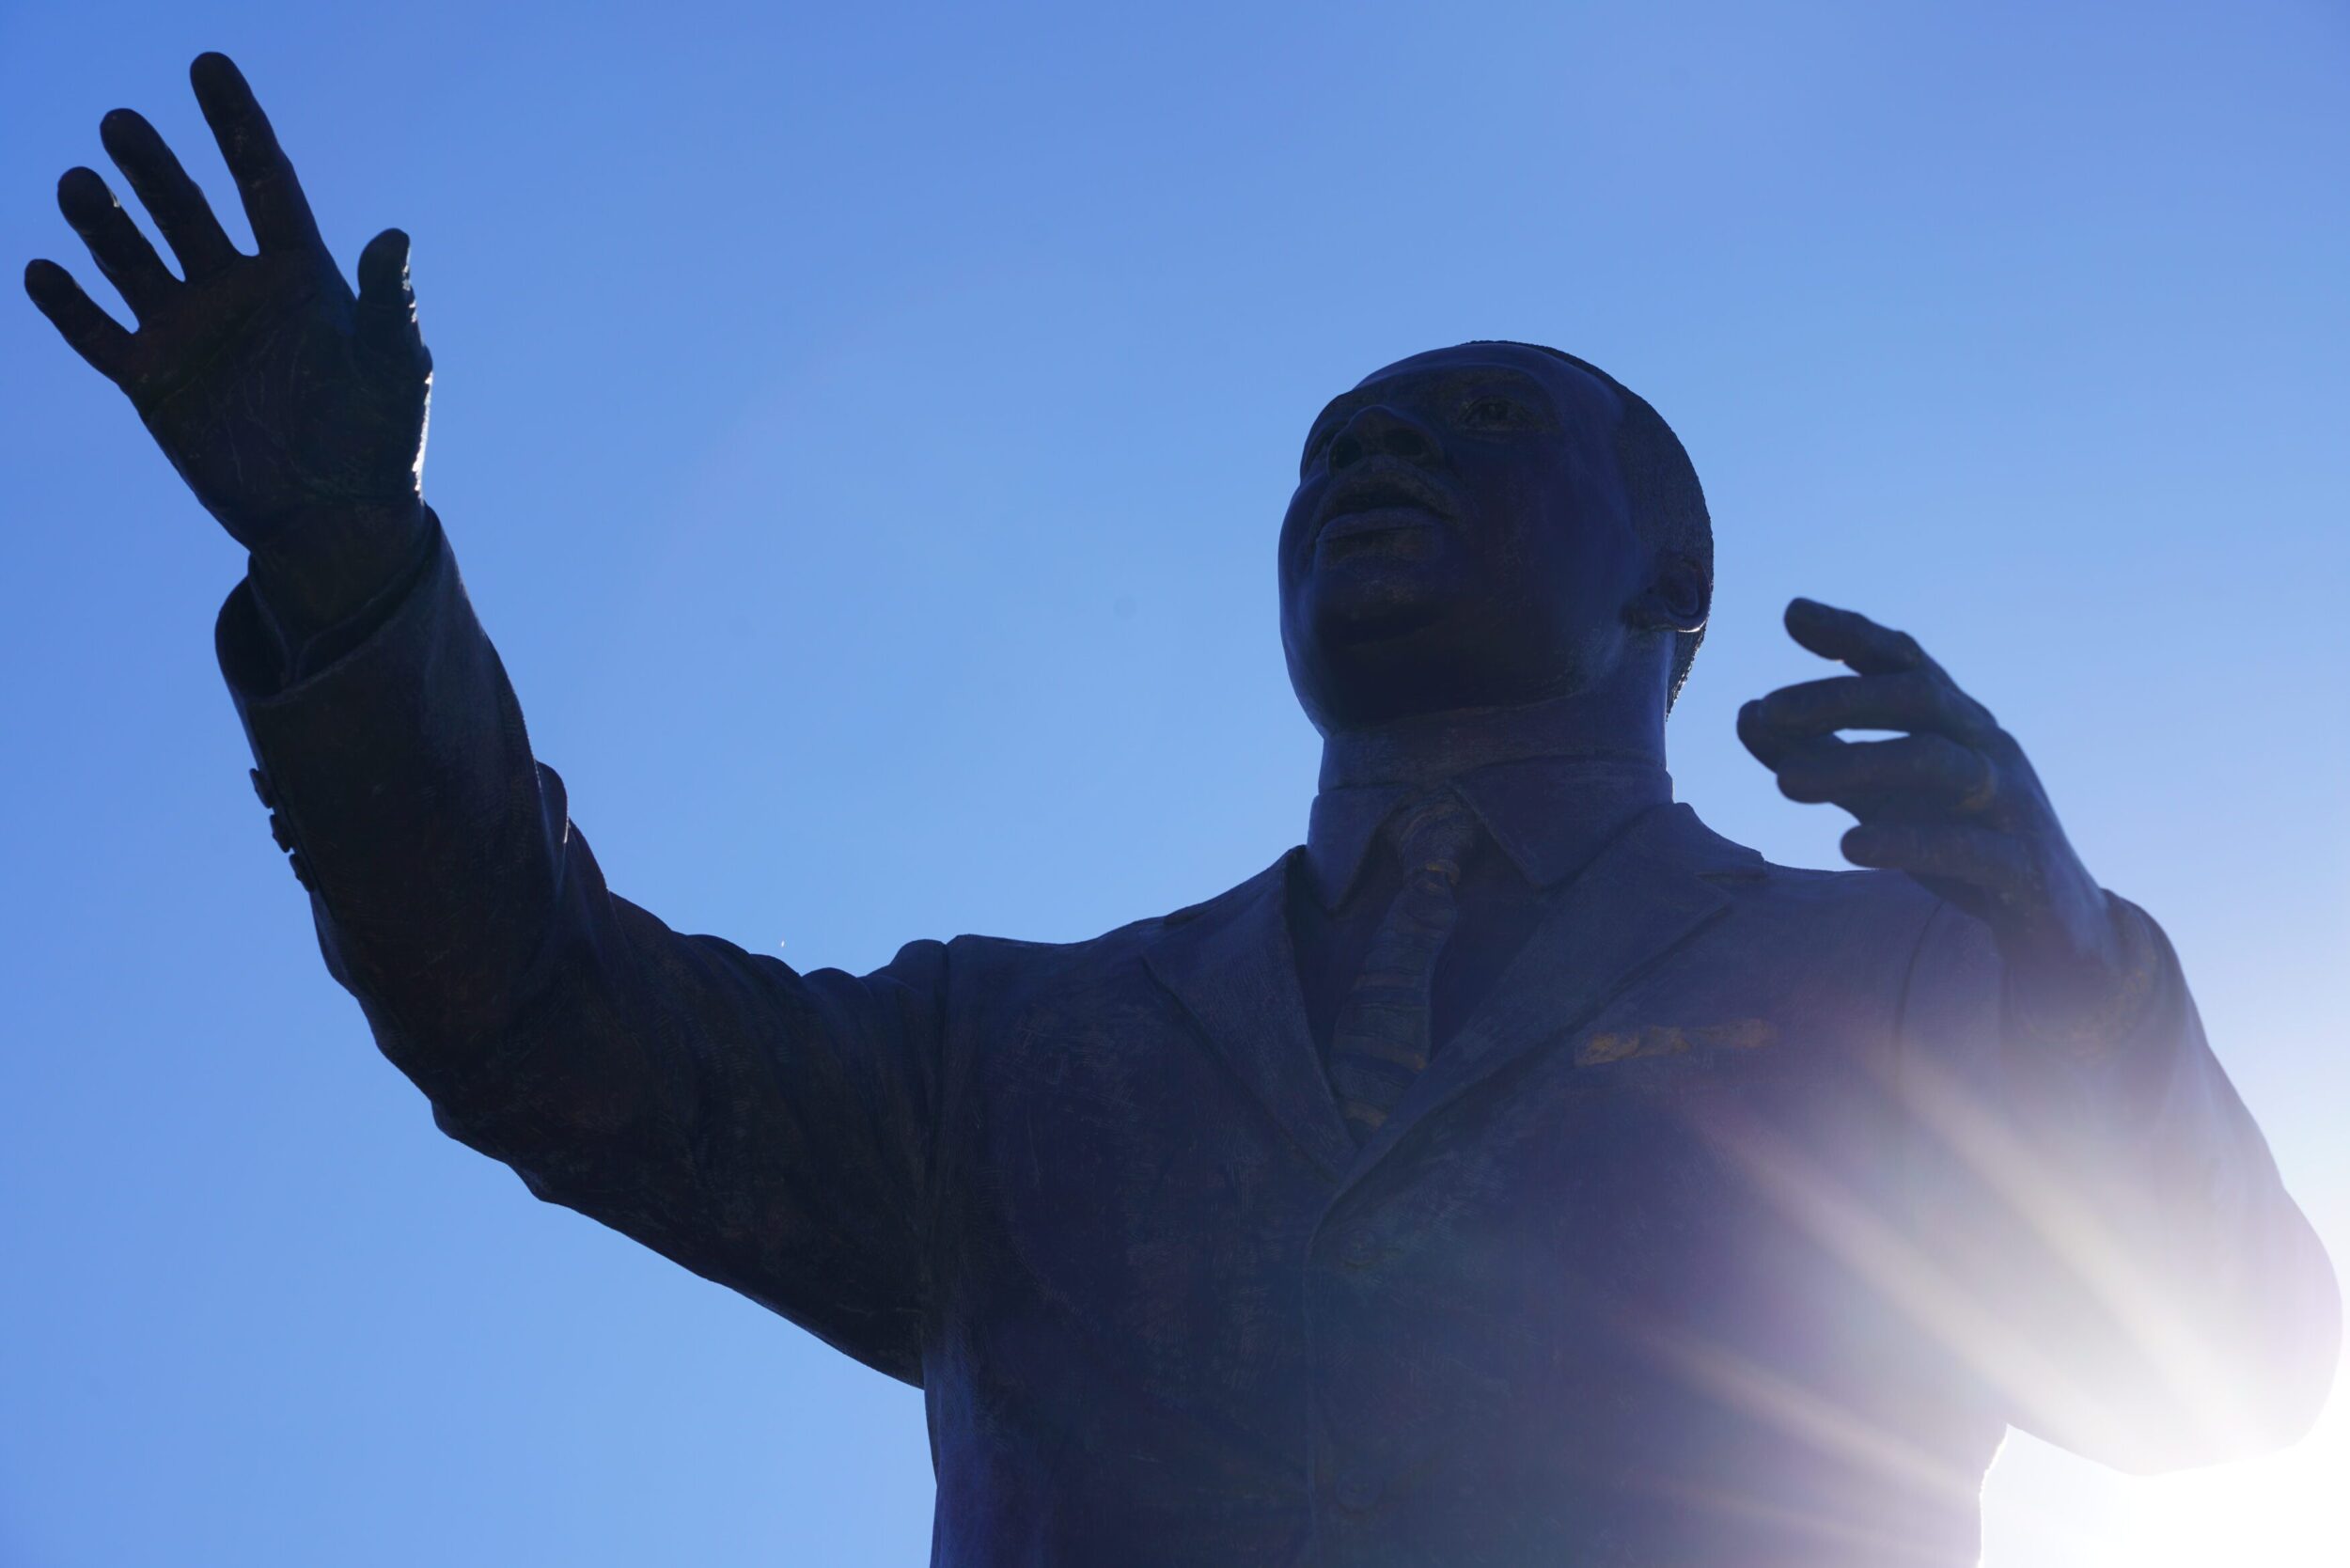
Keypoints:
(1356, 1492)
(300, 870)
(261, 791)
(1360, 1250)
(280, 831)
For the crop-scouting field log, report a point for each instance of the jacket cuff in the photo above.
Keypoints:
(387, 748)
(2130, 1053)
(258, 659)
(2105, 1030)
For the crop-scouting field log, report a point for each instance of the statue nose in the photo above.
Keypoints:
(1378, 431)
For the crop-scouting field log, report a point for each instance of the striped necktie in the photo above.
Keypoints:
(1380, 1039)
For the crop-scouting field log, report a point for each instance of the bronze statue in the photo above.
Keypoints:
(1515, 1172)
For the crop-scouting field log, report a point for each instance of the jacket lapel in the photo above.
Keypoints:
(1233, 968)
(1645, 895)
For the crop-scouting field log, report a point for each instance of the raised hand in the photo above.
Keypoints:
(295, 409)
(1951, 801)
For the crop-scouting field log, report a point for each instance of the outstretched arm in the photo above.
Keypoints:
(767, 1129)
(2138, 1285)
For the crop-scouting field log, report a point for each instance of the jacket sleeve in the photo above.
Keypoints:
(768, 1129)
(2123, 1265)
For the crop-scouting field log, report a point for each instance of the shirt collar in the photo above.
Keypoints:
(1548, 814)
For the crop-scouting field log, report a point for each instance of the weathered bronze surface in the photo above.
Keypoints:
(1676, 1208)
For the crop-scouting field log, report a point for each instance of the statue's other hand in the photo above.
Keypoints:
(1951, 801)
(295, 409)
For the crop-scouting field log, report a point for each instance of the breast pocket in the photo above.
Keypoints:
(1636, 1058)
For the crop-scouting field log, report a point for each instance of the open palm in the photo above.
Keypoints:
(281, 398)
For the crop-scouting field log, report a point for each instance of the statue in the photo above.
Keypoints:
(1515, 1172)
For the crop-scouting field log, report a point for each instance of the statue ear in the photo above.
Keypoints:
(1675, 600)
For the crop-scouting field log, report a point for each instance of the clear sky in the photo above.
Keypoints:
(930, 379)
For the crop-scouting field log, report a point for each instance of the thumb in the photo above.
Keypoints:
(388, 303)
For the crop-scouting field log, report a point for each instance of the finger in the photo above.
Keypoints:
(1975, 855)
(1869, 776)
(387, 300)
(182, 215)
(1773, 742)
(274, 202)
(1918, 700)
(97, 337)
(1853, 639)
(121, 252)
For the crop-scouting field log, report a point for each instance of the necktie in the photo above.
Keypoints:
(1380, 1039)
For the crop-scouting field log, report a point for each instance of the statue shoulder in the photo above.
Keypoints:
(1872, 906)
(1124, 941)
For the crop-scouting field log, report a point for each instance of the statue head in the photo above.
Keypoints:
(1488, 527)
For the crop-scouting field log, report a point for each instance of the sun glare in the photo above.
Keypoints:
(2289, 1509)
(2091, 1393)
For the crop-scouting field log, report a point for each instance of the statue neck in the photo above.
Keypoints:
(1429, 748)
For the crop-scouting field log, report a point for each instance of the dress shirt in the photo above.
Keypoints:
(1544, 819)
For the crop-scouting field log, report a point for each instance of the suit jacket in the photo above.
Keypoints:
(1734, 1227)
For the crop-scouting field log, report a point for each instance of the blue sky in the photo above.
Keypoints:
(863, 429)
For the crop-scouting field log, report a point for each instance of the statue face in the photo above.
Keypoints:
(1458, 539)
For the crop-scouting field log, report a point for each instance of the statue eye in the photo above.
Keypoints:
(1489, 412)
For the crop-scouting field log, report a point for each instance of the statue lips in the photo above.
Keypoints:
(1386, 498)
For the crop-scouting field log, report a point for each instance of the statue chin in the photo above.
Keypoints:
(1346, 609)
